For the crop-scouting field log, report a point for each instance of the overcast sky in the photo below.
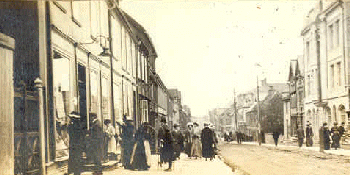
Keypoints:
(206, 49)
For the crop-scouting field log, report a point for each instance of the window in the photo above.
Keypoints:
(332, 76)
(339, 73)
(330, 36)
(336, 33)
(116, 38)
(307, 50)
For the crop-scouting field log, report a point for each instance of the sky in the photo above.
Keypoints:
(209, 49)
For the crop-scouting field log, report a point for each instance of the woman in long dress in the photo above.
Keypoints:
(196, 150)
(139, 155)
(111, 142)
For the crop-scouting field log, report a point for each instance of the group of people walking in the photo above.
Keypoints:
(329, 138)
(100, 143)
(200, 143)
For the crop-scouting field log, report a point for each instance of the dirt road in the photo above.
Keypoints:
(259, 160)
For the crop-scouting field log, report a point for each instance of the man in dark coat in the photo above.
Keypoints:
(166, 144)
(300, 135)
(127, 141)
(97, 136)
(179, 139)
(275, 136)
(326, 134)
(341, 132)
(76, 136)
(309, 134)
(207, 138)
(335, 136)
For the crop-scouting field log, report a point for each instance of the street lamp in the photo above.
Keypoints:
(258, 105)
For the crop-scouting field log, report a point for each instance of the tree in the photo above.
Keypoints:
(272, 113)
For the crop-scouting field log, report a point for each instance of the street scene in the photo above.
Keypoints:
(174, 87)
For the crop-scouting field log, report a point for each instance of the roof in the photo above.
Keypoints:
(141, 34)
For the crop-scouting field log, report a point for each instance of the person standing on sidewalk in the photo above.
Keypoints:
(188, 139)
(207, 138)
(111, 142)
(178, 140)
(324, 136)
(139, 157)
(275, 136)
(76, 136)
(127, 139)
(301, 135)
(96, 134)
(341, 133)
(309, 135)
(335, 136)
(196, 150)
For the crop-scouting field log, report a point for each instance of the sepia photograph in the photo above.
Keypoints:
(207, 87)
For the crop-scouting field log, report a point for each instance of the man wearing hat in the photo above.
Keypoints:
(166, 144)
(179, 139)
(341, 132)
(96, 135)
(127, 142)
(324, 137)
(335, 136)
(207, 138)
(76, 136)
(309, 134)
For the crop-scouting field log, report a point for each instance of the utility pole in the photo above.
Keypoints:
(258, 105)
(235, 108)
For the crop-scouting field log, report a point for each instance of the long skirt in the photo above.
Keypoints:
(196, 150)
(177, 150)
(127, 151)
(138, 157)
(309, 141)
(188, 148)
(208, 150)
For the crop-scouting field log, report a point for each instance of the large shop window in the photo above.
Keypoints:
(105, 99)
(61, 82)
(117, 103)
(94, 91)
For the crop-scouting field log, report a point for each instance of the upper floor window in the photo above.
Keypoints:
(331, 36)
(332, 75)
(307, 51)
(339, 73)
(336, 33)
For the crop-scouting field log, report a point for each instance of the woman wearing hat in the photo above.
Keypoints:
(188, 139)
(179, 139)
(196, 150)
(110, 139)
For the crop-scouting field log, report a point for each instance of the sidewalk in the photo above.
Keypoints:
(183, 166)
(341, 152)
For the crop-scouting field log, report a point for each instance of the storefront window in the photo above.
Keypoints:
(94, 85)
(105, 99)
(61, 82)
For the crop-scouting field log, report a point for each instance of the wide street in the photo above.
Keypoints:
(267, 159)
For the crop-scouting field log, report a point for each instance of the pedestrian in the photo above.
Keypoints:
(166, 144)
(341, 132)
(326, 136)
(96, 135)
(207, 138)
(76, 135)
(188, 139)
(309, 134)
(196, 150)
(335, 136)
(127, 141)
(178, 140)
(161, 134)
(300, 135)
(139, 155)
(275, 136)
(216, 140)
(110, 136)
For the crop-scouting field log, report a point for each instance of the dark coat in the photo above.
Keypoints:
(207, 137)
(167, 151)
(179, 141)
(326, 139)
(127, 144)
(76, 140)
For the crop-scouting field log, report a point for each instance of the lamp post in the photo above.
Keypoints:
(258, 105)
